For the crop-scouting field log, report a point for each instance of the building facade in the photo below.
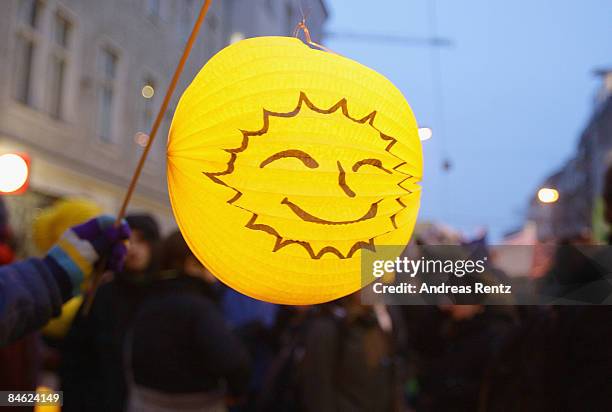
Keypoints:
(579, 210)
(81, 82)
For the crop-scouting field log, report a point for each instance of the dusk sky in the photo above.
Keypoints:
(517, 88)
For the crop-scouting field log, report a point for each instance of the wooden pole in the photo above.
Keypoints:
(98, 272)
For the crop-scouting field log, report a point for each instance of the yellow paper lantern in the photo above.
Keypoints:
(285, 163)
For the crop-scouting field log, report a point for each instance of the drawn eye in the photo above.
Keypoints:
(298, 154)
(370, 162)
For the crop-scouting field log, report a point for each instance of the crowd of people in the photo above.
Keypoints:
(162, 334)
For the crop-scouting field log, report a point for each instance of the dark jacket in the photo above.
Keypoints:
(19, 360)
(92, 370)
(347, 366)
(560, 359)
(181, 344)
(30, 295)
(452, 356)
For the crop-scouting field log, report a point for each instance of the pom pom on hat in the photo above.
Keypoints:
(53, 221)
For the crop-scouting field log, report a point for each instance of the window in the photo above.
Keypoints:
(160, 10)
(29, 12)
(213, 23)
(214, 35)
(185, 20)
(290, 19)
(154, 8)
(28, 17)
(607, 83)
(23, 69)
(57, 65)
(270, 7)
(107, 70)
(61, 30)
(57, 71)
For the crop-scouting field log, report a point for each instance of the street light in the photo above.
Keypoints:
(425, 133)
(141, 139)
(148, 91)
(15, 175)
(548, 195)
(236, 37)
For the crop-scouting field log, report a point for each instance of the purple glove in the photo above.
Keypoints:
(73, 257)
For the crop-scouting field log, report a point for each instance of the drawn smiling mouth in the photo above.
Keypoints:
(307, 217)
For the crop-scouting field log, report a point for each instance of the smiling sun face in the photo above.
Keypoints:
(289, 167)
(301, 184)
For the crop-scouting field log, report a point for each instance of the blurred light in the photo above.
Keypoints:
(15, 172)
(148, 91)
(141, 139)
(548, 195)
(236, 37)
(425, 133)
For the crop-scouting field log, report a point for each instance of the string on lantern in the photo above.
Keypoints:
(303, 28)
(98, 273)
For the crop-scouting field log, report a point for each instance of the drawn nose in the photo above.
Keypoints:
(342, 181)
